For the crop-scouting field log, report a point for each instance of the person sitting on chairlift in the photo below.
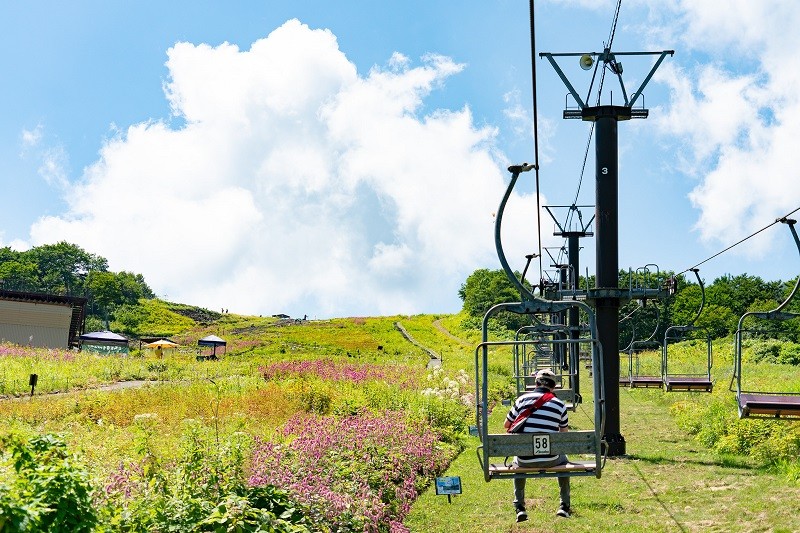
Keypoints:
(539, 411)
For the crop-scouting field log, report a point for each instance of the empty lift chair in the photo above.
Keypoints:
(625, 355)
(762, 403)
(650, 375)
(506, 445)
(694, 375)
(543, 353)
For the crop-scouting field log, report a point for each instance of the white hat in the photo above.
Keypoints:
(545, 374)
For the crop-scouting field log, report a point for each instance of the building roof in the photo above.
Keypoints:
(212, 340)
(105, 337)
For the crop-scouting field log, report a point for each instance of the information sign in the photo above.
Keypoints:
(448, 485)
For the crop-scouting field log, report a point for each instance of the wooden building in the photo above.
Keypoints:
(42, 320)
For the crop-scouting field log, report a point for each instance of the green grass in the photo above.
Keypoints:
(668, 481)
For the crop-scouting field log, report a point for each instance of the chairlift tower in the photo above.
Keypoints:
(561, 284)
(607, 294)
(573, 228)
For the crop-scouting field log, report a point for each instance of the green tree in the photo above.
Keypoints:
(718, 320)
(486, 288)
(738, 293)
(62, 267)
(18, 275)
(686, 304)
(108, 291)
(132, 286)
(641, 322)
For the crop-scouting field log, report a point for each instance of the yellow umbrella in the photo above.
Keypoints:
(159, 346)
(162, 343)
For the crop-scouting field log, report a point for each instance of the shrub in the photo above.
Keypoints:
(687, 416)
(316, 398)
(204, 489)
(448, 418)
(48, 490)
(448, 403)
(766, 351)
(717, 426)
(356, 473)
(718, 418)
(781, 442)
(789, 354)
(742, 435)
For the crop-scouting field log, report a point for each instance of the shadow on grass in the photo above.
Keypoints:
(608, 508)
(679, 525)
(726, 462)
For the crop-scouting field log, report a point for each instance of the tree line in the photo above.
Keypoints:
(727, 298)
(68, 270)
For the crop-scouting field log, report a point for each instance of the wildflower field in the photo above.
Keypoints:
(342, 425)
(314, 426)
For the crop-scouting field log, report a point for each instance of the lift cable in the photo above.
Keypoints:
(583, 168)
(611, 34)
(614, 24)
(741, 241)
(536, 140)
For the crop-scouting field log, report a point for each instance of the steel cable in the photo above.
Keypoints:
(740, 241)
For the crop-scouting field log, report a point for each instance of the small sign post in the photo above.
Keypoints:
(448, 485)
(32, 381)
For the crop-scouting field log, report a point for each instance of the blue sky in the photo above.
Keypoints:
(346, 158)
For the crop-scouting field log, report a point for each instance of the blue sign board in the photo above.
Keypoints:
(448, 485)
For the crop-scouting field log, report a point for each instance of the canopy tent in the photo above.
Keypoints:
(104, 342)
(160, 345)
(213, 341)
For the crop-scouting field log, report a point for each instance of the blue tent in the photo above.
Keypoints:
(104, 342)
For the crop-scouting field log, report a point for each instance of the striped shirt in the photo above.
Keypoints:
(549, 418)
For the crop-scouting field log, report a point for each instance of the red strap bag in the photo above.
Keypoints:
(519, 422)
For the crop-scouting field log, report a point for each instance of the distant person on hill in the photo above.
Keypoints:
(159, 353)
(541, 412)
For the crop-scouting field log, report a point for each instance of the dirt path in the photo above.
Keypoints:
(436, 359)
(438, 325)
(134, 384)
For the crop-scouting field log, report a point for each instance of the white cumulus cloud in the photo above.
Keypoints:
(737, 113)
(297, 184)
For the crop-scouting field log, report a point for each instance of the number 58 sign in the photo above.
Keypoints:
(541, 445)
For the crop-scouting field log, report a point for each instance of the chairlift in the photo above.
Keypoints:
(639, 375)
(546, 352)
(688, 377)
(507, 445)
(760, 403)
(625, 378)
(530, 359)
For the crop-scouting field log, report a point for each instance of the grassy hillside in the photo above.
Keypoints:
(691, 465)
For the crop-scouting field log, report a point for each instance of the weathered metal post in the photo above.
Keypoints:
(606, 294)
(607, 260)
